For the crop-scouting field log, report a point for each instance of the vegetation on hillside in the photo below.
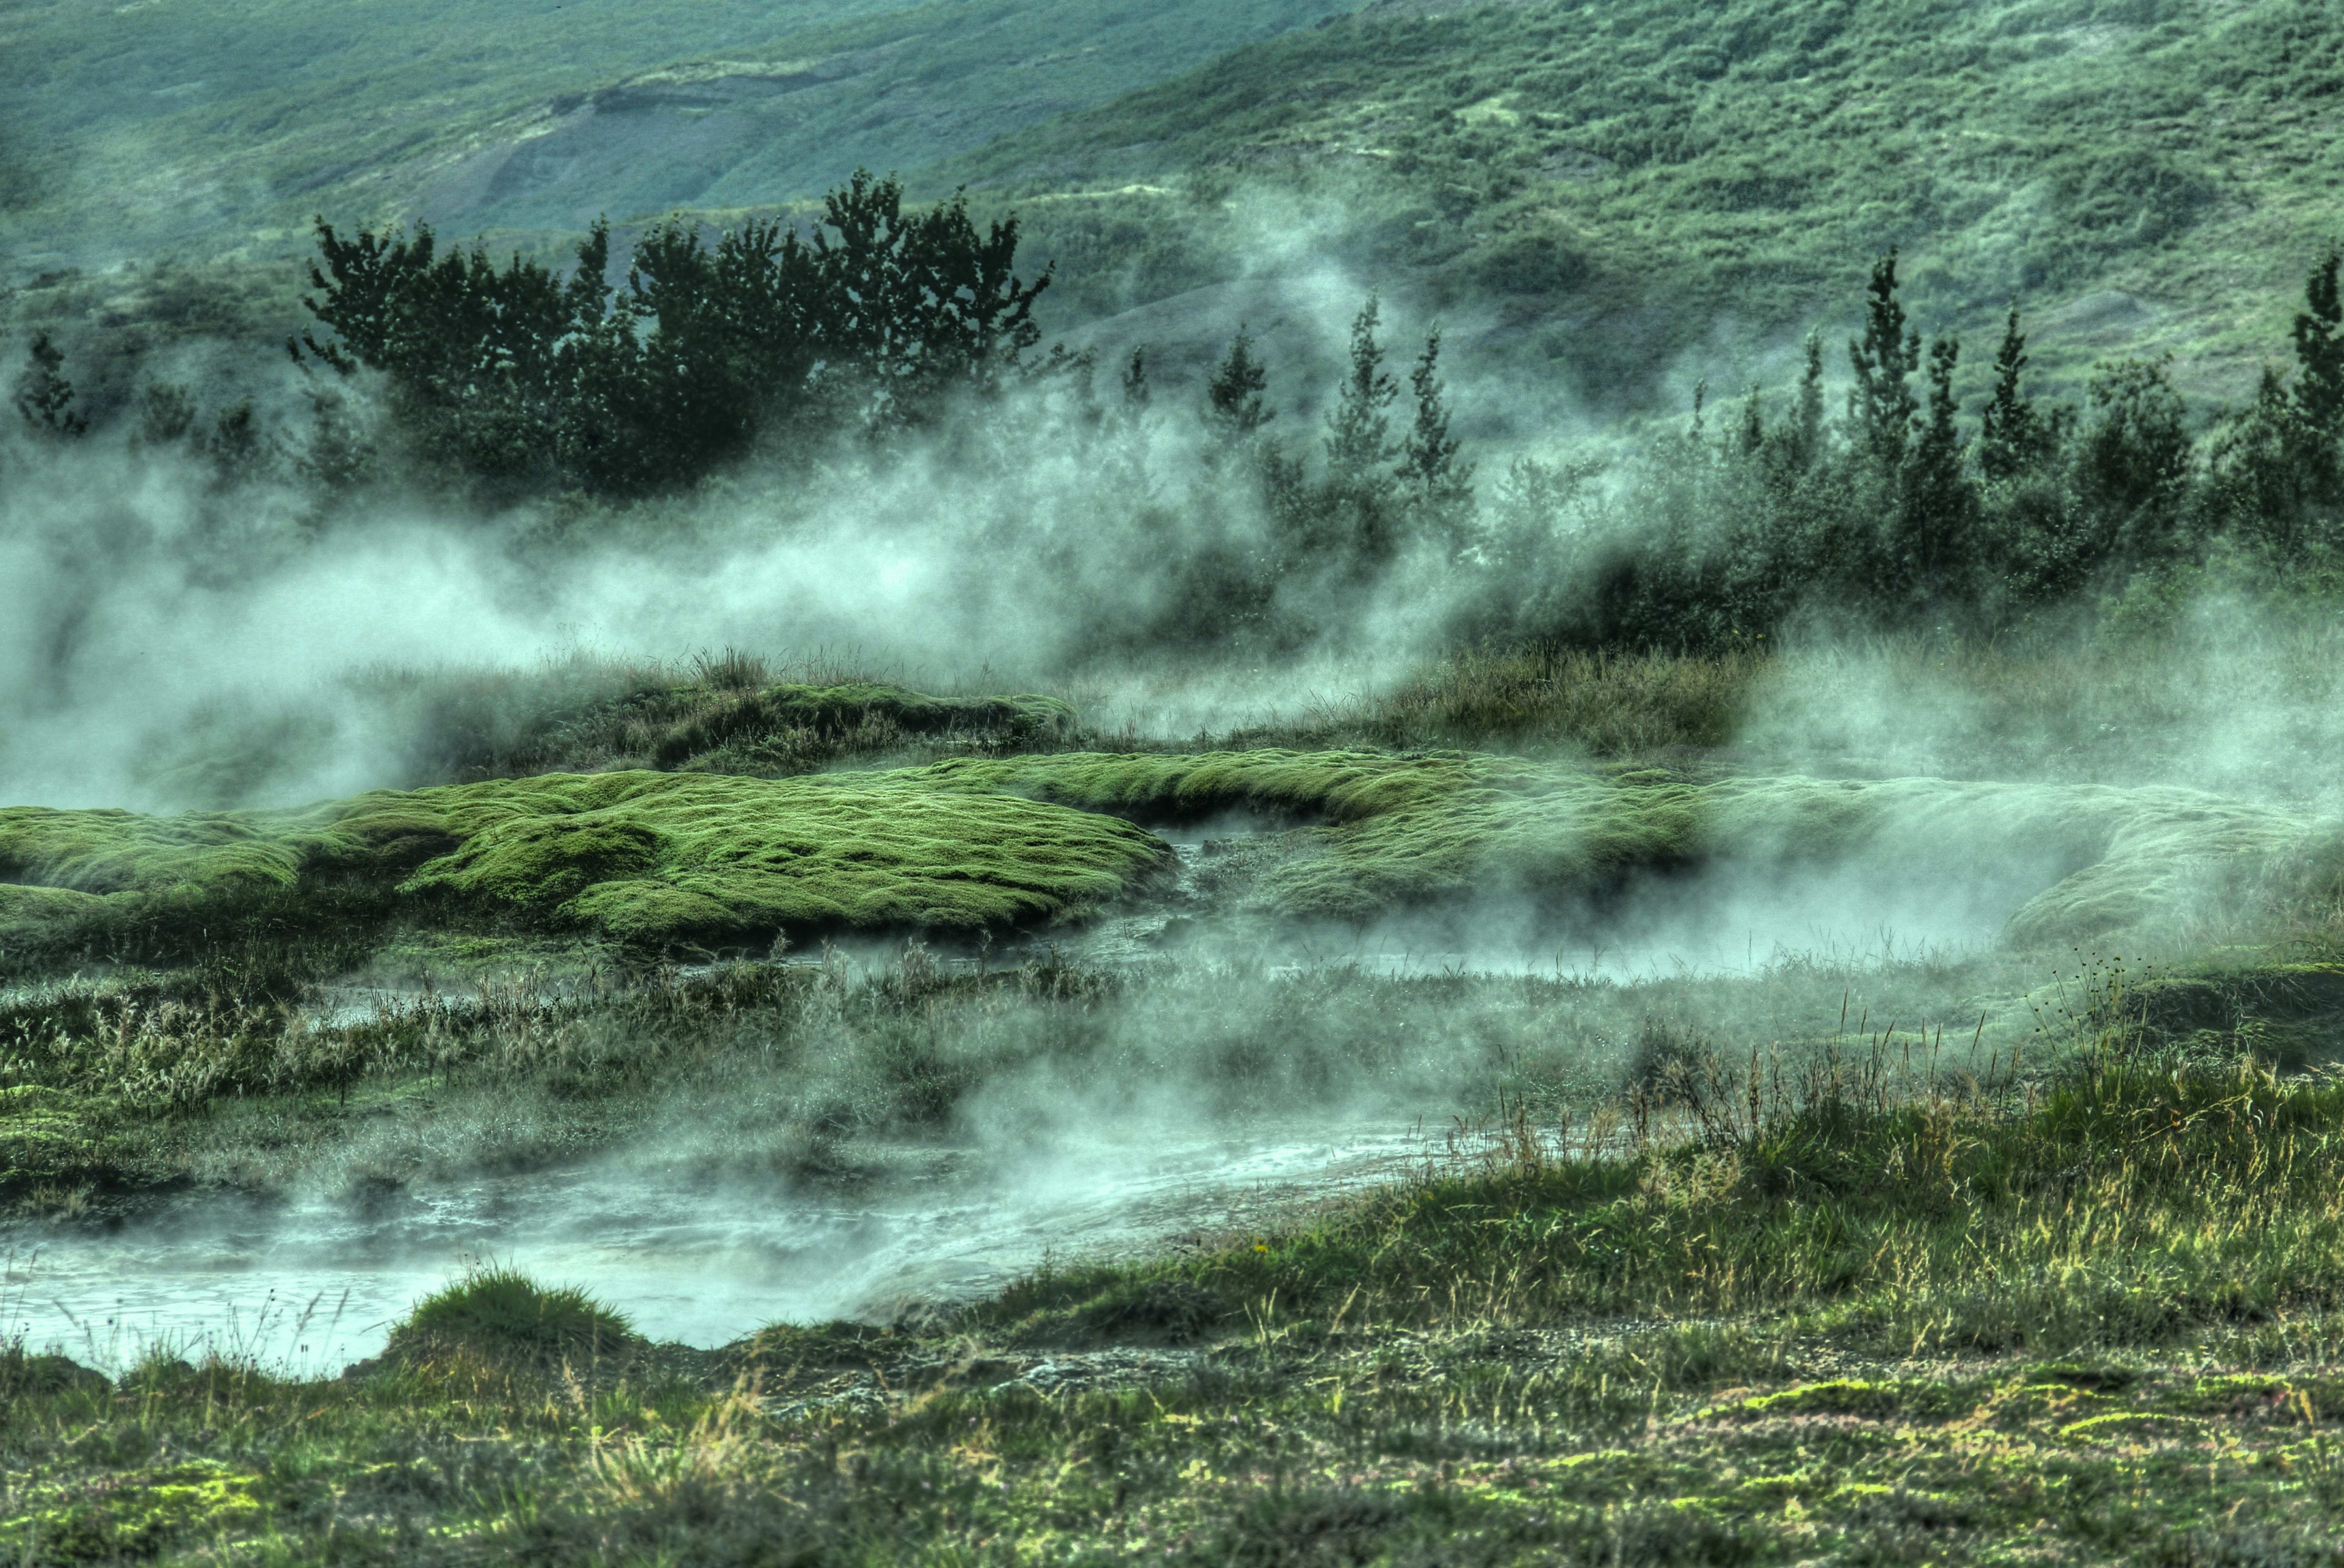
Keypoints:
(1603, 192)
(897, 338)
(204, 130)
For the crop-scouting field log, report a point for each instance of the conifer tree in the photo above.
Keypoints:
(1793, 446)
(1438, 485)
(1235, 404)
(1359, 429)
(2320, 349)
(1938, 503)
(44, 397)
(2011, 438)
(1880, 403)
(1136, 395)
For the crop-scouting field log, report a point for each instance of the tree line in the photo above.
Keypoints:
(884, 323)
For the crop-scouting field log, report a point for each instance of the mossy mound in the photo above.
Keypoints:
(1396, 830)
(651, 857)
(501, 1315)
(639, 856)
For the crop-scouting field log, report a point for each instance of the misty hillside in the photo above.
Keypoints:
(1602, 202)
(1601, 189)
(204, 126)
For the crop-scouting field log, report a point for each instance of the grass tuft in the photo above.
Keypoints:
(502, 1313)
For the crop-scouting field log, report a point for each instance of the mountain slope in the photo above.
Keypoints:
(1602, 188)
(202, 125)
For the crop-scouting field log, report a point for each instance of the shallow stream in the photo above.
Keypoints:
(313, 1286)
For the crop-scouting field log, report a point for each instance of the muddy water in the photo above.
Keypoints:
(311, 1287)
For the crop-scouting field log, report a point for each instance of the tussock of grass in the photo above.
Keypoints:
(501, 1313)
(1624, 705)
(729, 714)
(977, 843)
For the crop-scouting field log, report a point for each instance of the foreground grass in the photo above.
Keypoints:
(1858, 1316)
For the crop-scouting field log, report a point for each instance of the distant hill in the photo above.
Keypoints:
(1609, 198)
(198, 127)
(1602, 202)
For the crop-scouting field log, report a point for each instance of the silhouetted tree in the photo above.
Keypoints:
(1938, 503)
(523, 378)
(44, 397)
(2134, 460)
(2319, 348)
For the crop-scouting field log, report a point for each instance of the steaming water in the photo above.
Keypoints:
(1726, 922)
(314, 1286)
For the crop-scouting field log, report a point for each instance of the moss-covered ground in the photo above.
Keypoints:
(988, 844)
(650, 858)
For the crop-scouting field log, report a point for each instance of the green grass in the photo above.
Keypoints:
(1601, 205)
(975, 845)
(642, 858)
(1402, 830)
(498, 1312)
(2088, 1315)
(2120, 1200)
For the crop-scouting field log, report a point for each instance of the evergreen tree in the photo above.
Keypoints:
(1136, 394)
(1356, 515)
(2320, 349)
(1752, 438)
(2011, 437)
(166, 413)
(1791, 447)
(1939, 507)
(2133, 458)
(44, 397)
(1234, 396)
(1881, 404)
(1438, 485)
(1359, 429)
(525, 380)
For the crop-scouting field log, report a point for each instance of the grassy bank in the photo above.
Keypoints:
(980, 845)
(2083, 1315)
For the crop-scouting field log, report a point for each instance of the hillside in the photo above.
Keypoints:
(205, 127)
(1603, 192)
(1603, 203)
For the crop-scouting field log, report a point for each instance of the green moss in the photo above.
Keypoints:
(650, 856)
(641, 856)
(135, 1514)
(980, 844)
(102, 852)
(1405, 829)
